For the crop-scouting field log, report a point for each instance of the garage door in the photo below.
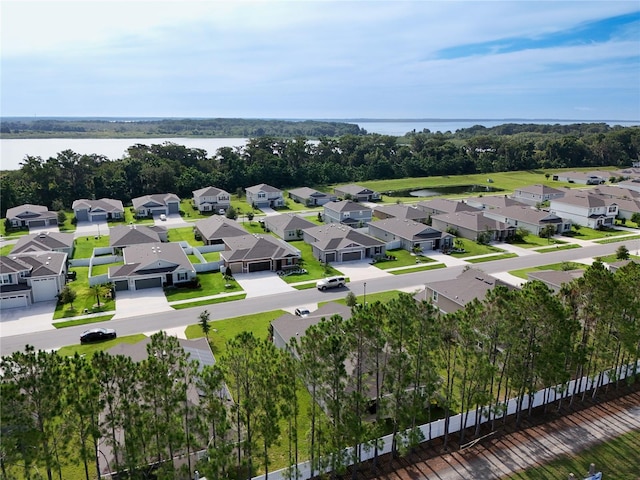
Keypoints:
(121, 285)
(351, 256)
(330, 257)
(148, 283)
(99, 217)
(260, 266)
(43, 289)
(13, 302)
(38, 223)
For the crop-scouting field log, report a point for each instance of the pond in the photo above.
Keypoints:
(450, 190)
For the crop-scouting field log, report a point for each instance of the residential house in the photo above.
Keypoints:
(151, 265)
(554, 279)
(31, 277)
(627, 207)
(347, 212)
(585, 178)
(357, 193)
(438, 206)
(334, 242)
(410, 235)
(101, 210)
(585, 209)
(614, 191)
(535, 194)
(30, 216)
(156, 204)
(615, 266)
(253, 253)
(452, 295)
(211, 199)
(288, 226)
(493, 201)
(471, 225)
(535, 221)
(633, 185)
(398, 210)
(45, 242)
(310, 197)
(122, 236)
(263, 195)
(215, 229)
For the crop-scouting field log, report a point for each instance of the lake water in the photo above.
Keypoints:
(13, 151)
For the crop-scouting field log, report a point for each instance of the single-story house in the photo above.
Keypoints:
(615, 266)
(452, 295)
(585, 178)
(531, 219)
(494, 201)
(122, 236)
(152, 265)
(156, 204)
(211, 199)
(438, 206)
(310, 197)
(31, 277)
(334, 242)
(347, 212)
(470, 225)
(254, 253)
(29, 215)
(288, 226)
(410, 235)
(357, 193)
(215, 229)
(585, 209)
(534, 194)
(408, 212)
(101, 210)
(45, 242)
(264, 195)
(554, 279)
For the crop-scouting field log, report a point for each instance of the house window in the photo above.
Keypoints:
(5, 279)
(612, 209)
(182, 276)
(346, 214)
(262, 195)
(435, 296)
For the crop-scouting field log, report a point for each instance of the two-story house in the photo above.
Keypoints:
(585, 209)
(263, 195)
(211, 199)
(347, 212)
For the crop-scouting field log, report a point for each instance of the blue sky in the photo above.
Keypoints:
(321, 59)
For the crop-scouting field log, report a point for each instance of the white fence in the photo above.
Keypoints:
(436, 429)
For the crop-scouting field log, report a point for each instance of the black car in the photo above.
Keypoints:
(97, 335)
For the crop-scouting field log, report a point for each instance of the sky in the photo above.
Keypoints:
(328, 59)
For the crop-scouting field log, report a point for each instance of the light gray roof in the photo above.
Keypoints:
(30, 211)
(476, 222)
(306, 192)
(556, 278)
(353, 189)
(539, 189)
(124, 235)
(334, 236)
(346, 206)
(402, 211)
(263, 187)
(218, 227)
(287, 221)
(445, 205)
(495, 201)
(198, 349)
(104, 204)
(40, 264)
(156, 199)
(43, 242)
(526, 214)
(289, 326)
(613, 191)
(208, 192)
(151, 257)
(584, 199)
(257, 247)
(409, 229)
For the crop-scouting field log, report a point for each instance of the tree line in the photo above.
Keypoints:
(285, 163)
(386, 370)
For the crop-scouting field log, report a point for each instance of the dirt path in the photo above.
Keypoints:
(494, 458)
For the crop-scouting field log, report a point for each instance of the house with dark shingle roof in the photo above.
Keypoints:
(152, 265)
(254, 253)
(347, 212)
(554, 279)
(410, 235)
(335, 242)
(215, 229)
(538, 193)
(529, 218)
(211, 199)
(288, 226)
(585, 209)
(122, 236)
(31, 277)
(438, 206)
(45, 242)
(405, 212)
(101, 210)
(470, 225)
(310, 197)
(263, 195)
(156, 204)
(29, 215)
(357, 193)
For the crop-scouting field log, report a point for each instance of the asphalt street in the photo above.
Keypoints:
(161, 321)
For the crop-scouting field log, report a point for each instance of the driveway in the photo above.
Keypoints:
(48, 228)
(141, 302)
(88, 229)
(258, 284)
(268, 211)
(37, 317)
(173, 220)
(359, 270)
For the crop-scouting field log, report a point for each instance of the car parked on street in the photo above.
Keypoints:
(97, 335)
(331, 282)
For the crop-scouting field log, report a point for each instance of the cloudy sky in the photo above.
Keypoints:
(321, 59)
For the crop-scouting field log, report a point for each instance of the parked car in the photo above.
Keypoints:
(163, 217)
(330, 282)
(97, 335)
(302, 312)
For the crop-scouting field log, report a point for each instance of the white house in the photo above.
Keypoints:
(264, 195)
(211, 199)
(585, 209)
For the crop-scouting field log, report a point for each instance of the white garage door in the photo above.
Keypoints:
(44, 289)
(13, 302)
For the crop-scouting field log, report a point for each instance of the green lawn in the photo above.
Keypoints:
(558, 247)
(83, 321)
(193, 259)
(532, 241)
(184, 234)
(211, 301)
(211, 256)
(616, 459)
(85, 298)
(210, 284)
(305, 286)
(315, 269)
(492, 258)
(619, 239)
(85, 245)
(585, 233)
(383, 297)
(613, 258)
(473, 248)
(403, 259)
(102, 269)
(67, 226)
(253, 227)
(522, 273)
(418, 268)
(92, 348)
(191, 213)
(6, 250)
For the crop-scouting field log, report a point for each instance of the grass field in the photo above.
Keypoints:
(522, 273)
(617, 459)
(184, 234)
(473, 248)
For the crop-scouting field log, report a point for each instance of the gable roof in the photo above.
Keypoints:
(354, 189)
(495, 201)
(151, 258)
(208, 192)
(103, 204)
(306, 192)
(156, 199)
(584, 199)
(409, 229)
(346, 206)
(289, 325)
(614, 192)
(539, 189)
(29, 210)
(45, 241)
(125, 235)
(219, 226)
(556, 278)
(526, 214)
(257, 247)
(40, 264)
(334, 236)
(476, 222)
(263, 187)
(446, 206)
(402, 211)
(288, 221)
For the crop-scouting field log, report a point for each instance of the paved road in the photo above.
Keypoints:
(147, 323)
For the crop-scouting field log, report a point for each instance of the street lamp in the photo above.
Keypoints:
(364, 301)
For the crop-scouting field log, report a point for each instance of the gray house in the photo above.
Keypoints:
(531, 219)
(493, 201)
(357, 193)
(101, 210)
(347, 212)
(156, 204)
(124, 235)
(554, 279)
(310, 197)
(405, 212)
(254, 253)
(211, 199)
(470, 225)
(45, 242)
(29, 215)
(340, 243)
(410, 235)
(264, 195)
(438, 206)
(288, 226)
(215, 229)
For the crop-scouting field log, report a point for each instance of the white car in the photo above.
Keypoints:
(330, 282)
(302, 312)
(163, 217)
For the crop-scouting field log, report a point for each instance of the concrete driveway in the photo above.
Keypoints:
(48, 228)
(141, 302)
(89, 229)
(359, 270)
(37, 317)
(258, 284)
(173, 220)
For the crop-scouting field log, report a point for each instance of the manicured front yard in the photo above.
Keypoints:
(491, 258)
(85, 245)
(532, 241)
(618, 239)
(585, 233)
(523, 272)
(6, 250)
(315, 269)
(83, 321)
(210, 284)
(403, 258)
(85, 297)
(473, 248)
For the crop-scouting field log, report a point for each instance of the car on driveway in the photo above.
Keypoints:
(302, 312)
(330, 282)
(97, 335)
(163, 217)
